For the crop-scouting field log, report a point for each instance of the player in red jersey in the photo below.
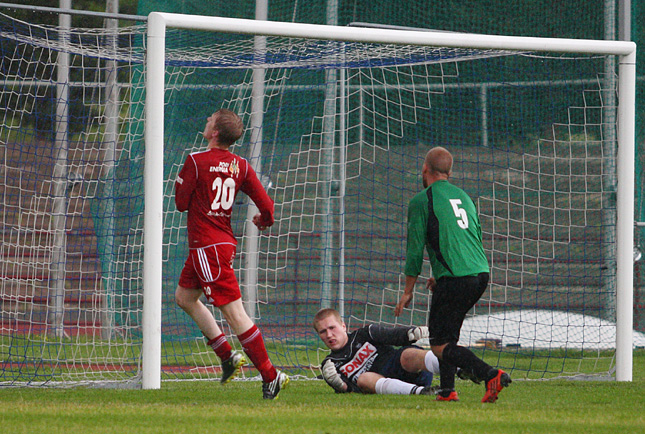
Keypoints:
(206, 187)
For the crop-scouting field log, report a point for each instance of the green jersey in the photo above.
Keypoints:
(443, 219)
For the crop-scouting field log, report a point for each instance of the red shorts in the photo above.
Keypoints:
(211, 270)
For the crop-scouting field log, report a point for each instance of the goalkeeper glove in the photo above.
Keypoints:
(332, 377)
(417, 333)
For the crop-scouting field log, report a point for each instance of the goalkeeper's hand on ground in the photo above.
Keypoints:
(332, 377)
(417, 333)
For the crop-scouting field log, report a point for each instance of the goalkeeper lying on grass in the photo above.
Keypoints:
(366, 361)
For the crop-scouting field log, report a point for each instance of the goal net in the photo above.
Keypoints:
(337, 132)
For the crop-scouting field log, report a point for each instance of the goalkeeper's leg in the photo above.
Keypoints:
(392, 386)
(415, 359)
(371, 382)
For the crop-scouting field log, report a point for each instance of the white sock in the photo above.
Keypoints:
(431, 362)
(392, 386)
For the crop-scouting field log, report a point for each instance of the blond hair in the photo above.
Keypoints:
(324, 313)
(229, 126)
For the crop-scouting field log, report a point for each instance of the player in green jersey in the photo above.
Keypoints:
(443, 219)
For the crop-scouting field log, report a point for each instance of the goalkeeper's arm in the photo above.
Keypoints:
(333, 378)
(397, 336)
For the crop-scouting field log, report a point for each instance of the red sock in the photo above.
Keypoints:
(221, 347)
(253, 345)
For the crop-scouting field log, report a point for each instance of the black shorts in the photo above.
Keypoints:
(452, 298)
(393, 369)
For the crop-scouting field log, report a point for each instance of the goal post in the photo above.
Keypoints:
(159, 22)
(337, 121)
(625, 216)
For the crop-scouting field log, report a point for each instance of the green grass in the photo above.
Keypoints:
(306, 406)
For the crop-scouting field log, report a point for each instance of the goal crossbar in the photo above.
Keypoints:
(158, 23)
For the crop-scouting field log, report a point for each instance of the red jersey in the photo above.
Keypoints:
(206, 187)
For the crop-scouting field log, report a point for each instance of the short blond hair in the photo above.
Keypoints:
(324, 313)
(229, 126)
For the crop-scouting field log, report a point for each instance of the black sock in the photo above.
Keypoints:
(447, 373)
(463, 358)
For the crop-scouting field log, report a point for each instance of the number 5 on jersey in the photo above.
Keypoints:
(460, 213)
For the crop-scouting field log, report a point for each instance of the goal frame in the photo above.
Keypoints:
(159, 22)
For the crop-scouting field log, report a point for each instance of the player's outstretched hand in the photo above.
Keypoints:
(418, 333)
(257, 221)
(332, 377)
(404, 302)
(431, 284)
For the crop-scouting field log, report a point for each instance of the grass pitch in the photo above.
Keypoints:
(310, 406)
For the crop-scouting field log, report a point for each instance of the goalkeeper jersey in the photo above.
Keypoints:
(368, 349)
(443, 219)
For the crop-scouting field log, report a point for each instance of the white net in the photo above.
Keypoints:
(344, 131)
